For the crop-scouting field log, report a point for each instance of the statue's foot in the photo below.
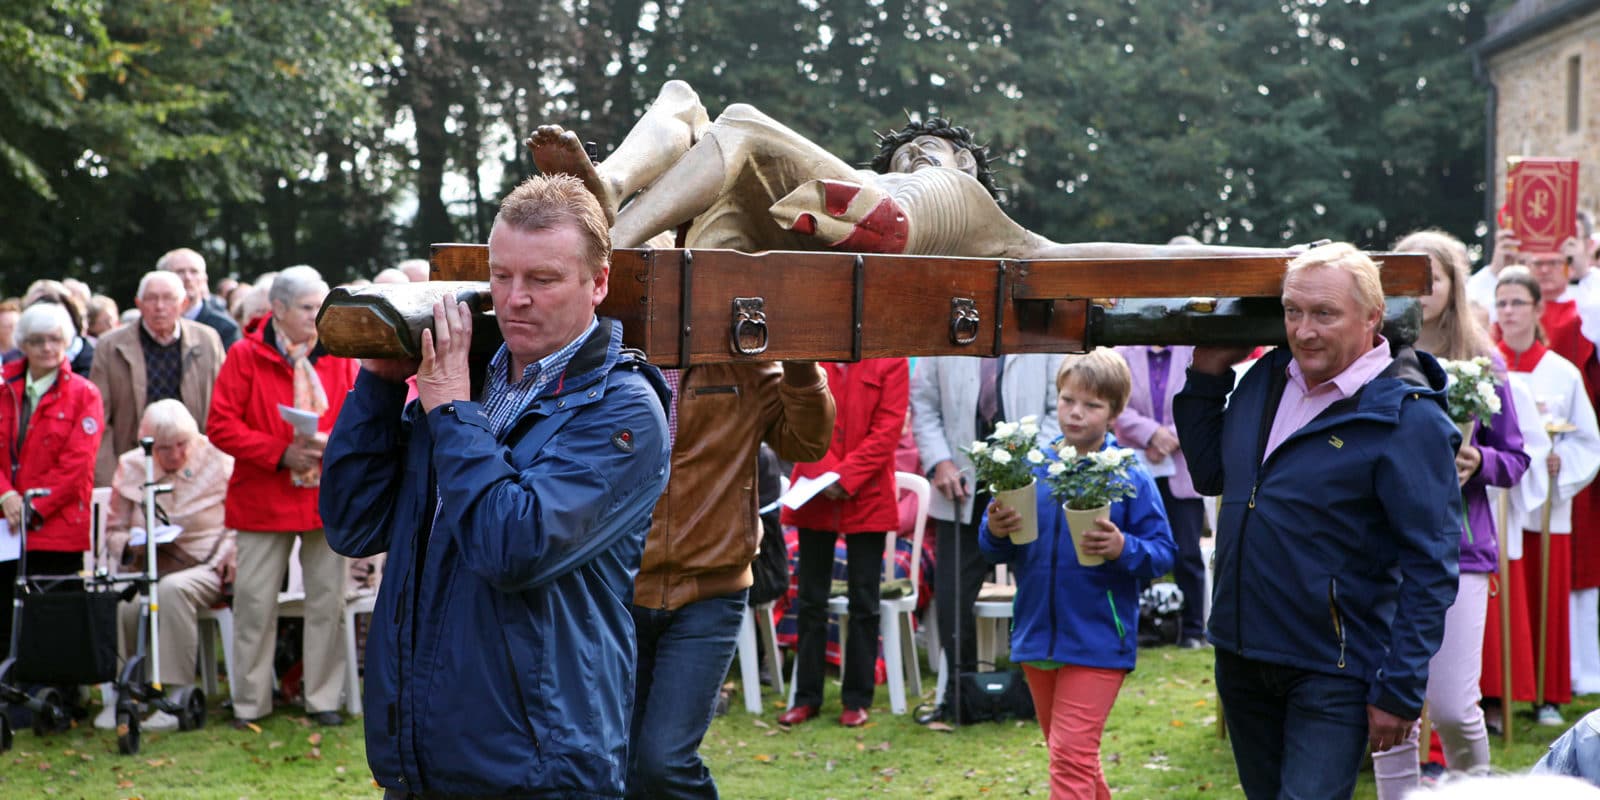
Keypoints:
(557, 151)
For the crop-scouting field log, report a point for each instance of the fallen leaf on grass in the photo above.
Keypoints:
(884, 747)
(157, 762)
(273, 745)
(314, 739)
(253, 727)
(942, 727)
(763, 758)
(127, 784)
(316, 753)
(774, 733)
(340, 770)
(1201, 703)
(1177, 723)
(44, 766)
(759, 723)
(828, 767)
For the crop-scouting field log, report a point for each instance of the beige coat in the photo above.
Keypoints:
(195, 505)
(118, 370)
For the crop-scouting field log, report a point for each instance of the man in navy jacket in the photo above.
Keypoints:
(513, 503)
(1338, 535)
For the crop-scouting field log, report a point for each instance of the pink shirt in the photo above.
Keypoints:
(1300, 406)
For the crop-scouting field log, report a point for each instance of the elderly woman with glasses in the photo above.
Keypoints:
(50, 427)
(192, 568)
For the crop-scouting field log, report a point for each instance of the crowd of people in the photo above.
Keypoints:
(567, 531)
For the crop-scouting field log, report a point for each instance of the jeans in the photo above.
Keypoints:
(1188, 520)
(688, 651)
(1296, 734)
(864, 554)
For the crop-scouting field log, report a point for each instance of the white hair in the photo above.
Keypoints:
(168, 419)
(41, 318)
(165, 261)
(171, 279)
(1546, 787)
(292, 283)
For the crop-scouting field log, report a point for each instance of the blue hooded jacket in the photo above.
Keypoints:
(501, 656)
(1072, 614)
(1338, 553)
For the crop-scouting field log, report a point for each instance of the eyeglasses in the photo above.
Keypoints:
(42, 340)
(1504, 304)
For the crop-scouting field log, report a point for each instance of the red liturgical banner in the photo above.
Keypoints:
(1541, 202)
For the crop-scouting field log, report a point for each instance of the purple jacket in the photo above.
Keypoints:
(1135, 425)
(1503, 464)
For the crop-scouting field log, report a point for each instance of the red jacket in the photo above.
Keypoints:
(57, 454)
(245, 423)
(871, 397)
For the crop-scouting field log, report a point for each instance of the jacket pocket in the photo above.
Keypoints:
(1336, 617)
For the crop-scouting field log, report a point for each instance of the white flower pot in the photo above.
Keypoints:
(1080, 520)
(1025, 501)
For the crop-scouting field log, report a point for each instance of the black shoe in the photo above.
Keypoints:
(931, 713)
(1192, 643)
(327, 719)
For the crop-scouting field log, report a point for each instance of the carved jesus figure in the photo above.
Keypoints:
(747, 182)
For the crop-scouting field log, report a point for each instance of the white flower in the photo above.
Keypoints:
(1001, 456)
(1056, 468)
(1066, 451)
(1031, 419)
(1004, 430)
(978, 449)
(1035, 456)
(1029, 430)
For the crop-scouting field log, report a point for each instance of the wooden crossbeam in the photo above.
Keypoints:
(686, 307)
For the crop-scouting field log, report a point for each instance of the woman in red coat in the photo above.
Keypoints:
(50, 426)
(272, 496)
(871, 397)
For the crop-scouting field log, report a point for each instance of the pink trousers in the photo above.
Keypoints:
(1072, 703)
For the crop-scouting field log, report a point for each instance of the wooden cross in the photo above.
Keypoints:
(686, 307)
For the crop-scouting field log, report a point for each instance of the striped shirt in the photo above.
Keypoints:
(504, 401)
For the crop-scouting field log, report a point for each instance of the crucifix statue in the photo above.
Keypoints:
(744, 240)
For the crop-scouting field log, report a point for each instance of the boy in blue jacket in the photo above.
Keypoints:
(1075, 628)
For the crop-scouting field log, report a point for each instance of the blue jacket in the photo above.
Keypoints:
(501, 656)
(1087, 616)
(1338, 553)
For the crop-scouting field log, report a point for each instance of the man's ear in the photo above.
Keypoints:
(966, 161)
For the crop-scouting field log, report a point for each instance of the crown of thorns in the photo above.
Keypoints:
(888, 143)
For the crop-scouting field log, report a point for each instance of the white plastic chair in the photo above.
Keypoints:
(99, 512)
(215, 623)
(894, 617)
(992, 609)
(293, 604)
(757, 622)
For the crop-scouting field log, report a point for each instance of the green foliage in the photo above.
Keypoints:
(348, 134)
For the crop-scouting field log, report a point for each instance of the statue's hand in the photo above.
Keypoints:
(845, 215)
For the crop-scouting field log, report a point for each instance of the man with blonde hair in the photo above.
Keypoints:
(513, 499)
(163, 356)
(1338, 537)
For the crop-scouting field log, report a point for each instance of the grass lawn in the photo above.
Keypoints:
(1161, 742)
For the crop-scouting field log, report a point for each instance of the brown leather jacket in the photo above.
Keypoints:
(705, 528)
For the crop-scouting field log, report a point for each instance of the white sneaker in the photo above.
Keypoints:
(1550, 715)
(107, 718)
(160, 721)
